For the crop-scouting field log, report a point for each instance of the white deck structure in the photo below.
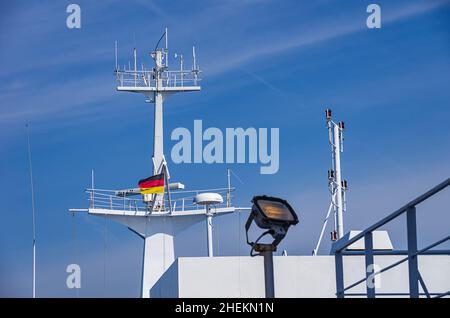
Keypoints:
(295, 276)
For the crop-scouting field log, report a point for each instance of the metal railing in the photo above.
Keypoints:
(180, 200)
(412, 252)
(131, 78)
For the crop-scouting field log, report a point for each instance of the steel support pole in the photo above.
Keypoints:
(413, 268)
(268, 273)
(209, 231)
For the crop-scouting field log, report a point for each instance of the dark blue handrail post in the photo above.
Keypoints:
(370, 279)
(413, 268)
(339, 267)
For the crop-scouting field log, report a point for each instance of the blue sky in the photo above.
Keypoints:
(265, 64)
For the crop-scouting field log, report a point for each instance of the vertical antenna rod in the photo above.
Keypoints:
(92, 189)
(115, 50)
(167, 48)
(194, 65)
(194, 59)
(135, 66)
(229, 188)
(33, 210)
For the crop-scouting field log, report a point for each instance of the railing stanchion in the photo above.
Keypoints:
(413, 268)
(368, 252)
(339, 266)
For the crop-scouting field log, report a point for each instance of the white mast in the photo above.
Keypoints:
(337, 148)
(158, 231)
(336, 184)
(157, 223)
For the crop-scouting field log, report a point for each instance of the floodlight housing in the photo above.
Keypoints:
(273, 210)
(271, 213)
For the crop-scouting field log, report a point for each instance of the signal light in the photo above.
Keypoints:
(328, 113)
(330, 174)
(333, 236)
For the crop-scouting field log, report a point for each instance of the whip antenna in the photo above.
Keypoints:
(30, 166)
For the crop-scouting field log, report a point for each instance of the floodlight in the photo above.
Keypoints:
(274, 214)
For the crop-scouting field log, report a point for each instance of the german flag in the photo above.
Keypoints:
(153, 184)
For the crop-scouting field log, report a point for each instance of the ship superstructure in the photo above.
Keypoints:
(158, 218)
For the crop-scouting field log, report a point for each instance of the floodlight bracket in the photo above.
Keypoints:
(261, 247)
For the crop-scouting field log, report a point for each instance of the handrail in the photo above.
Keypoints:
(338, 246)
(181, 200)
(398, 262)
(147, 78)
(412, 252)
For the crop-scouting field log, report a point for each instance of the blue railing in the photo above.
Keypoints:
(412, 252)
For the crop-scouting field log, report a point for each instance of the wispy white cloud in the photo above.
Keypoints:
(56, 98)
(154, 8)
(216, 60)
(264, 82)
(312, 35)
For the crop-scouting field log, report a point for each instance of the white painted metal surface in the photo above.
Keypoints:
(158, 230)
(381, 241)
(295, 276)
